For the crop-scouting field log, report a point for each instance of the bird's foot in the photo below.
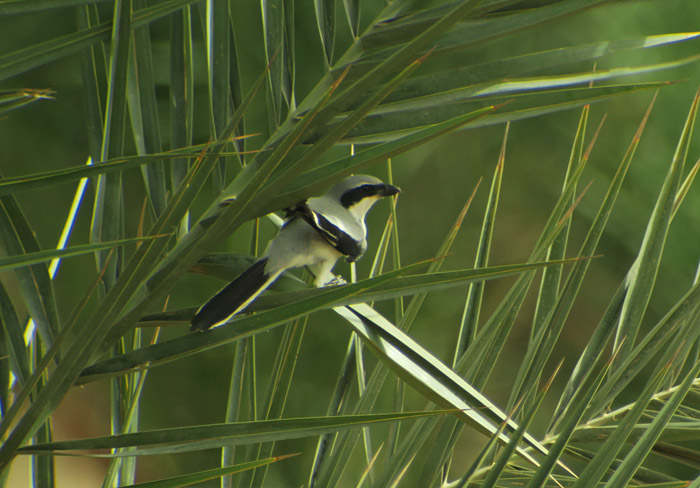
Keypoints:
(337, 280)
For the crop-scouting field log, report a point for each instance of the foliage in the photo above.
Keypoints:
(225, 131)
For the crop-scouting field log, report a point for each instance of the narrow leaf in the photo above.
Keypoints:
(186, 439)
(352, 13)
(209, 474)
(624, 473)
(28, 259)
(325, 19)
(430, 376)
(643, 273)
(386, 124)
(34, 282)
(13, 342)
(595, 347)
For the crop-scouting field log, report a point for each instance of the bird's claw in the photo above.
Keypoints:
(337, 280)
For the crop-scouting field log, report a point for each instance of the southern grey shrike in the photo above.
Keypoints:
(316, 232)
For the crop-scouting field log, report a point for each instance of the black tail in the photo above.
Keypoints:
(234, 297)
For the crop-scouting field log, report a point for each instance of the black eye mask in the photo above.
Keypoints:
(351, 197)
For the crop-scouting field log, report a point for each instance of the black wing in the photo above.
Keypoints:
(343, 242)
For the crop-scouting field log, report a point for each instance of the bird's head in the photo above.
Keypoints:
(358, 193)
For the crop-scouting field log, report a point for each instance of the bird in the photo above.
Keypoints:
(316, 232)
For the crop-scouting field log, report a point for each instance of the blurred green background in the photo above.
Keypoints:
(436, 180)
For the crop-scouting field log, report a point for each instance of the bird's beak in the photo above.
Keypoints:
(390, 190)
